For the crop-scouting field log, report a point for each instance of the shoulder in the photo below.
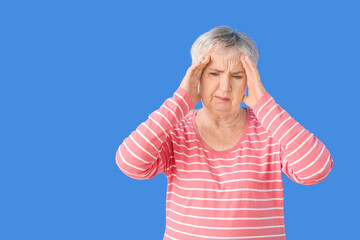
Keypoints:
(186, 122)
(183, 130)
(257, 129)
(253, 121)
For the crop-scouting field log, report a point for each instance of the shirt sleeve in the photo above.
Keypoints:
(147, 150)
(304, 158)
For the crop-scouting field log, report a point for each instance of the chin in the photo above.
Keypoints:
(221, 109)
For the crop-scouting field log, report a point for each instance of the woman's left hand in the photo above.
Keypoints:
(255, 88)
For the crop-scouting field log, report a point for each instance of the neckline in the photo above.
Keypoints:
(227, 150)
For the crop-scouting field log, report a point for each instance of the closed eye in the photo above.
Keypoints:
(215, 74)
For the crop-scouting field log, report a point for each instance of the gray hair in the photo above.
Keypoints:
(223, 40)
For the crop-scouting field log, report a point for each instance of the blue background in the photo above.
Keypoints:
(77, 77)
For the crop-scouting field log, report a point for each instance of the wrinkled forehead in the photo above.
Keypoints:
(225, 61)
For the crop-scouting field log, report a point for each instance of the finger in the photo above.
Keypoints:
(253, 69)
(249, 67)
(200, 64)
(199, 67)
(245, 65)
(250, 64)
(205, 62)
(244, 62)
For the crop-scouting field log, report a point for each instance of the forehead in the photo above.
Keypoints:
(221, 62)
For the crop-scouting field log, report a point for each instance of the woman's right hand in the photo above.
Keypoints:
(192, 78)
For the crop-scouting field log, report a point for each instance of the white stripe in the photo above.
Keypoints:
(256, 126)
(195, 147)
(226, 159)
(183, 137)
(283, 162)
(181, 123)
(190, 133)
(275, 118)
(229, 181)
(225, 209)
(281, 125)
(321, 170)
(171, 132)
(244, 171)
(135, 154)
(178, 106)
(325, 175)
(263, 119)
(179, 129)
(131, 173)
(171, 112)
(225, 199)
(220, 218)
(123, 159)
(294, 138)
(234, 151)
(171, 237)
(295, 150)
(142, 147)
(152, 132)
(314, 161)
(293, 163)
(263, 106)
(197, 235)
(223, 228)
(294, 177)
(150, 173)
(125, 170)
(168, 169)
(255, 141)
(159, 127)
(239, 149)
(146, 139)
(256, 133)
(227, 190)
(169, 149)
(223, 166)
(164, 117)
(188, 109)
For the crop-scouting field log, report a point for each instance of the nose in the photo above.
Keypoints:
(225, 84)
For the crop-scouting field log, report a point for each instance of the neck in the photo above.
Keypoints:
(222, 121)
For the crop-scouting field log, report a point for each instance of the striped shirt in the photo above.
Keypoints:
(231, 194)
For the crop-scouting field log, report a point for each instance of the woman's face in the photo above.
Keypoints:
(223, 78)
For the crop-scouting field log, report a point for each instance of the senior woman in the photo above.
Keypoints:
(223, 162)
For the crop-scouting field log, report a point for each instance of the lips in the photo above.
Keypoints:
(224, 99)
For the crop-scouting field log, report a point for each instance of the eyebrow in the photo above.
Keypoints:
(223, 71)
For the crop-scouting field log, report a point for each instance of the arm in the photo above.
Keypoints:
(304, 158)
(146, 152)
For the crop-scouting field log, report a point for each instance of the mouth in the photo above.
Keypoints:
(223, 99)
